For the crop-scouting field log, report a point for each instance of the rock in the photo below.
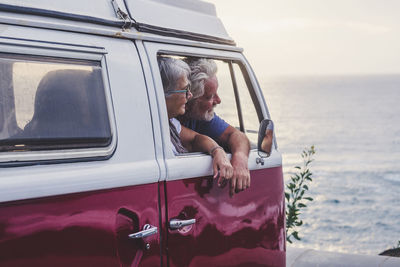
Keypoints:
(394, 252)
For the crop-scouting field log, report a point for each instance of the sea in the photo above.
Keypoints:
(354, 123)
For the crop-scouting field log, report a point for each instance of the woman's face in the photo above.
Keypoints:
(176, 102)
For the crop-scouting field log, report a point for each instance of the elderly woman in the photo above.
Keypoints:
(175, 78)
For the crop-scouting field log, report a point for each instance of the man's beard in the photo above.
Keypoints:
(209, 115)
(194, 113)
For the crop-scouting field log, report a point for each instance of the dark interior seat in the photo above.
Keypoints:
(61, 106)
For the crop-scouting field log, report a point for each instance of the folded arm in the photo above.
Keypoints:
(194, 141)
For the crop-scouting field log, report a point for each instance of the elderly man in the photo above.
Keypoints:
(200, 117)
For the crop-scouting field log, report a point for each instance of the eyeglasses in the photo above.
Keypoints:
(186, 90)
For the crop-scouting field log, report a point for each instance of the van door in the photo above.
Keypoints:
(69, 196)
(218, 230)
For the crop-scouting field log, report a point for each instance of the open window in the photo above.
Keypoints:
(239, 106)
(51, 104)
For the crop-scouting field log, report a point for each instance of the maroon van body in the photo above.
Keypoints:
(91, 229)
(247, 230)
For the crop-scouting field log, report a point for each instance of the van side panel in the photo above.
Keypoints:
(80, 211)
(83, 229)
(246, 230)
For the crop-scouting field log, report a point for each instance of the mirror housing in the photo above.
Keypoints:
(265, 138)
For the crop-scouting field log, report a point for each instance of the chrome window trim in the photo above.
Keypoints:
(58, 50)
(63, 52)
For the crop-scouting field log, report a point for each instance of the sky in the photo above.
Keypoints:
(315, 37)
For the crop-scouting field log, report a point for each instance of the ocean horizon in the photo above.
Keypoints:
(353, 121)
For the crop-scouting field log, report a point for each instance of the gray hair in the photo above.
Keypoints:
(201, 70)
(171, 70)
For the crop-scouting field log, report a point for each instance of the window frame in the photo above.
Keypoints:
(246, 76)
(200, 163)
(176, 165)
(62, 53)
(250, 88)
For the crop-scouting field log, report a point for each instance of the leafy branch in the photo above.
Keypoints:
(295, 194)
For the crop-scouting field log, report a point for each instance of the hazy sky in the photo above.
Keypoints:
(315, 36)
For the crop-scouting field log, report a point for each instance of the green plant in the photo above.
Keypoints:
(295, 194)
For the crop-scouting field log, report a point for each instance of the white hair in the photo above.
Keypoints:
(201, 70)
(172, 70)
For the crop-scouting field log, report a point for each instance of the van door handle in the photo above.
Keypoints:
(177, 224)
(147, 231)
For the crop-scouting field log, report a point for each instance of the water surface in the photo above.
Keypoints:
(354, 123)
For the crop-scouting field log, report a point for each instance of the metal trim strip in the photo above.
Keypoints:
(59, 15)
(183, 34)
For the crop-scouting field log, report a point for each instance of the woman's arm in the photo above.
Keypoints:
(194, 141)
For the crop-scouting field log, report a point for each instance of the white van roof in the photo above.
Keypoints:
(190, 19)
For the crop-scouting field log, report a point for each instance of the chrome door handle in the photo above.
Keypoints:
(176, 224)
(147, 231)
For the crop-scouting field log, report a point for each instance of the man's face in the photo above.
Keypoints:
(202, 108)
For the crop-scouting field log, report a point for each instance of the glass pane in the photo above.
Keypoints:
(227, 109)
(49, 104)
(249, 113)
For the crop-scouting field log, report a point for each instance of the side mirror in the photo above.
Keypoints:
(265, 138)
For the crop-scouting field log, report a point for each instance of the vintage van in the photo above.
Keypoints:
(87, 173)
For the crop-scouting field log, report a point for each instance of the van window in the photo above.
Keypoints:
(248, 105)
(227, 109)
(239, 104)
(48, 104)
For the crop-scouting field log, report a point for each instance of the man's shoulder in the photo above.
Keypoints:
(215, 121)
(212, 128)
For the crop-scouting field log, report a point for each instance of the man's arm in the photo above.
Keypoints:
(194, 141)
(239, 145)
